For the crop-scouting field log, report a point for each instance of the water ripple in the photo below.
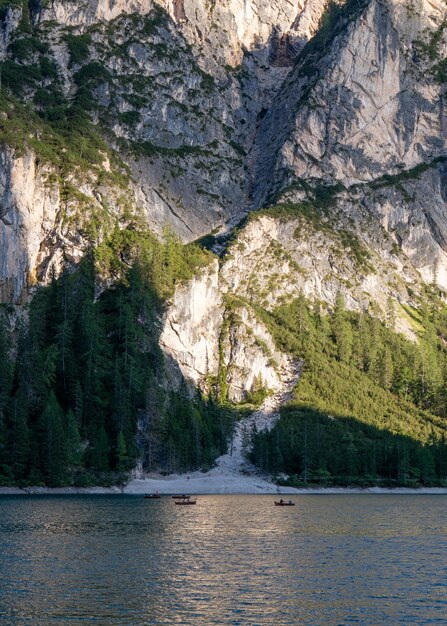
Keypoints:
(105, 560)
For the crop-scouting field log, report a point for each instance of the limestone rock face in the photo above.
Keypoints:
(192, 326)
(224, 29)
(8, 25)
(92, 11)
(285, 258)
(249, 357)
(413, 215)
(28, 212)
(184, 85)
(361, 103)
(203, 339)
(40, 229)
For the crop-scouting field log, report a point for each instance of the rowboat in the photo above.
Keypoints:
(152, 496)
(284, 503)
(185, 502)
(181, 497)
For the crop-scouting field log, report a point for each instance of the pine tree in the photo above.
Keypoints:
(387, 369)
(73, 440)
(100, 451)
(18, 445)
(342, 331)
(52, 445)
(6, 368)
(390, 314)
(121, 453)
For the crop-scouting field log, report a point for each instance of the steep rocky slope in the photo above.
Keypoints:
(46, 222)
(212, 330)
(217, 109)
(365, 102)
(329, 119)
(214, 340)
(175, 88)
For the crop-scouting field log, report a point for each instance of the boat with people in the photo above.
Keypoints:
(285, 503)
(152, 496)
(186, 501)
(182, 497)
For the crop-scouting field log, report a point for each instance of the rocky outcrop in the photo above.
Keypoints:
(412, 211)
(28, 215)
(283, 258)
(372, 243)
(225, 29)
(45, 224)
(249, 359)
(377, 245)
(207, 338)
(360, 102)
(190, 336)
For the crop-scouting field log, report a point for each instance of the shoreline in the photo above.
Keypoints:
(167, 487)
(219, 480)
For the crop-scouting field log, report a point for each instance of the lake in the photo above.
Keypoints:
(122, 560)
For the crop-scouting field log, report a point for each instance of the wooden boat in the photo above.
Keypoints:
(185, 502)
(284, 503)
(152, 496)
(181, 497)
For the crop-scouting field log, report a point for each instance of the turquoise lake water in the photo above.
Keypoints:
(122, 560)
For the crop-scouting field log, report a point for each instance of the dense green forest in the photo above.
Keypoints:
(84, 393)
(370, 407)
(83, 372)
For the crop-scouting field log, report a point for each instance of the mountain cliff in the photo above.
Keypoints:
(303, 143)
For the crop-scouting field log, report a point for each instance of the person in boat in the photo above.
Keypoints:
(281, 501)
